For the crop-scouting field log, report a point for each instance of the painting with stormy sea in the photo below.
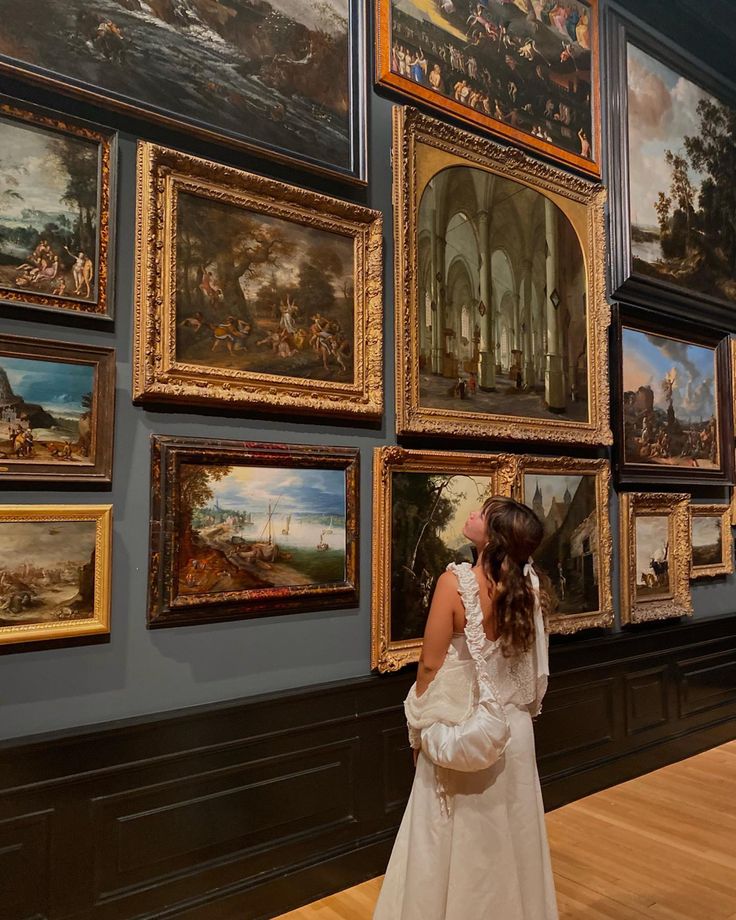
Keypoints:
(281, 75)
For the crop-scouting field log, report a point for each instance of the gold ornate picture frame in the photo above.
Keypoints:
(712, 541)
(655, 556)
(511, 349)
(254, 294)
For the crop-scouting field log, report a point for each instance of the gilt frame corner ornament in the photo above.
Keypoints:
(677, 601)
(579, 199)
(726, 564)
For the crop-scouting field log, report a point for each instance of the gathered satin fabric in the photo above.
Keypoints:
(472, 843)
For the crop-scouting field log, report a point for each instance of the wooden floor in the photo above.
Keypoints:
(661, 847)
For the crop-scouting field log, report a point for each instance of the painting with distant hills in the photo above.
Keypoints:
(274, 74)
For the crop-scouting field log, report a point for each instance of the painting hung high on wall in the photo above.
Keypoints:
(712, 540)
(57, 194)
(241, 529)
(267, 295)
(500, 291)
(525, 70)
(280, 76)
(55, 571)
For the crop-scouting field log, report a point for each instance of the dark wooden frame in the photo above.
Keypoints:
(385, 78)
(356, 173)
(620, 30)
(104, 257)
(646, 321)
(103, 412)
(165, 608)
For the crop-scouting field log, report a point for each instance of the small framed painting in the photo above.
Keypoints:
(712, 541)
(243, 529)
(55, 572)
(254, 294)
(655, 556)
(57, 411)
(57, 211)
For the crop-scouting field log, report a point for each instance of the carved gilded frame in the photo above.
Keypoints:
(725, 566)
(158, 376)
(388, 654)
(568, 623)
(678, 603)
(99, 622)
(581, 200)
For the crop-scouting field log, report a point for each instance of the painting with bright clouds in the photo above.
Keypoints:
(707, 537)
(681, 180)
(652, 556)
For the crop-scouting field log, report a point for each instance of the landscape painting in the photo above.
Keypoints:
(280, 75)
(681, 192)
(652, 535)
(712, 540)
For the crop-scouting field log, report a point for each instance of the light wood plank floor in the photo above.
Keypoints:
(660, 847)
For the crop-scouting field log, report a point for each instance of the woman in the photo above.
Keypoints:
(474, 845)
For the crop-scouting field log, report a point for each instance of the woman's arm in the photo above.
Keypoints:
(438, 631)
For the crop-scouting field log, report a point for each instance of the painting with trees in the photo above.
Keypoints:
(712, 540)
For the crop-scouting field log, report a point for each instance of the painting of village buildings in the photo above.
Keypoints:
(262, 294)
(568, 554)
(669, 402)
(47, 571)
(49, 212)
(253, 527)
(46, 411)
(683, 208)
(502, 300)
(652, 537)
(707, 540)
(526, 63)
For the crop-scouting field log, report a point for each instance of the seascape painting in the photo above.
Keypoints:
(652, 537)
(276, 74)
(669, 402)
(261, 294)
(707, 540)
(681, 194)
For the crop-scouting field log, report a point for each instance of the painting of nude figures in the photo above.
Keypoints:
(56, 179)
(254, 528)
(271, 294)
(524, 69)
(282, 77)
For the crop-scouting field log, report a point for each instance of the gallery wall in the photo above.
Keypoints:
(139, 671)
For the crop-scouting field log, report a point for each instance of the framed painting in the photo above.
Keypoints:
(674, 405)
(281, 79)
(525, 71)
(55, 572)
(421, 500)
(57, 211)
(655, 556)
(241, 529)
(501, 313)
(254, 294)
(57, 411)
(712, 541)
(571, 498)
(673, 209)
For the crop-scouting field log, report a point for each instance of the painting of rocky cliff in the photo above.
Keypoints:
(274, 74)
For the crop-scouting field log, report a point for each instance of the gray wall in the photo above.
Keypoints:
(140, 671)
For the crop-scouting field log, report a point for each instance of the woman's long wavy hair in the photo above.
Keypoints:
(513, 532)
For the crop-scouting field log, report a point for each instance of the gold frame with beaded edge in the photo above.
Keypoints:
(422, 148)
(726, 565)
(677, 602)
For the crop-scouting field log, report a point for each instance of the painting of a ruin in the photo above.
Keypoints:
(502, 300)
(566, 505)
(652, 537)
(261, 294)
(669, 402)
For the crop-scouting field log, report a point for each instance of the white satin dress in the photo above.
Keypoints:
(473, 846)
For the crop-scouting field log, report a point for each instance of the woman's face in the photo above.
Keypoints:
(475, 527)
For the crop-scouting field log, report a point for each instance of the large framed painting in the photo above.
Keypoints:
(527, 71)
(254, 294)
(501, 314)
(57, 410)
(571, 498)
(242, 529)
(712, 540)
(421, 500)
(55, 568)
(284, 79)
(57, 211)
(655, 556)
(673, 209)
(673, 402)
